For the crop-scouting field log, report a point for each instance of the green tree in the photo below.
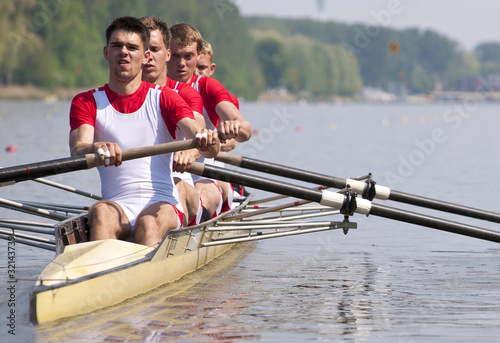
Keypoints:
(420, 80)
(488, 55)
(273, 61)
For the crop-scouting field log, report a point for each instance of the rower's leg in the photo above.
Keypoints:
(192, 202)
(224, 186)
(210, 195)
(181, 188)
(227, 195)
(108, 221)
(189, 198)
(153, 223)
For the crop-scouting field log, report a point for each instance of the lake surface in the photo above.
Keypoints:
(387, 281)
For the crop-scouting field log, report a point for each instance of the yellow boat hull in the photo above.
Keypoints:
(92, 275)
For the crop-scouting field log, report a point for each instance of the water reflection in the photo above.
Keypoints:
(197, 306)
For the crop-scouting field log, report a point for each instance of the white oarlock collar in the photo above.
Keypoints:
(336, 200)
(381, 192)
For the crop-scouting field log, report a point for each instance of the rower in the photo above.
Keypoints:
(206, 67)
(140, 198)
(218, 109)
(155, 72)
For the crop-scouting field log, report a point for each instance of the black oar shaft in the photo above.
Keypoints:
(40, 169)
(435, 223)
(280, 170)
(325, 180)
(256, 182)
(317, 196)
(443, 206)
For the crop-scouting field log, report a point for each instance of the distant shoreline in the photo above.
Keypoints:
(30, 92)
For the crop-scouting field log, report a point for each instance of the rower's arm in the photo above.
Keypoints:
(208, 147)
(232, 124)
(81, 140)
(200, 119)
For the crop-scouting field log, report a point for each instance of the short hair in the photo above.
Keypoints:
(206, 49)
(186, 34)
(128, 24)
(155, 23)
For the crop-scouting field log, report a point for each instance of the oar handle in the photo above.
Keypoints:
(30, 171)
(158, 149)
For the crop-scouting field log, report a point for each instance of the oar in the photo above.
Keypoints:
(47, 231)
(67, 188)
(368, 190)
(30, 209)
(29, 240)
(11, 175)
(338, 200)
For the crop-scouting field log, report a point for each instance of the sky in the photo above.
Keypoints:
(469, 22)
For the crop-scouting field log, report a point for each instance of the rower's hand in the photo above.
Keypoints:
(207, 143)
(110, 153)
(183, 160)
(229, 129)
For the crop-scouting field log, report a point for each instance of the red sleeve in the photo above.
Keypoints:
(235, 101)
(216, 90)
(192, 98)
(173, 108)
(83, 110)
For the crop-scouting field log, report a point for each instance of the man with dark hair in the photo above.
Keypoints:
(140, 198)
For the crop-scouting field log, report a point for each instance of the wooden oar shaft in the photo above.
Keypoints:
(325, 197)
(158, 149)
(383, 193)
(30, 171)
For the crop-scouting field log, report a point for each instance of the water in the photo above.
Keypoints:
(387, 281)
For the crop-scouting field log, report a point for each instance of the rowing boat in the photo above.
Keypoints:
(89, 275)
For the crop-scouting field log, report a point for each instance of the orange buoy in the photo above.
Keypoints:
(11, 148)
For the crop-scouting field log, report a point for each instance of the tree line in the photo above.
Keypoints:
(58, 43)
(388, 58)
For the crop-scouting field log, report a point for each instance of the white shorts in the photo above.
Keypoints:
(134, 206)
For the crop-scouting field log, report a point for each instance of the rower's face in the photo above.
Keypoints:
(204, 65)
(156, 67)
(125, 55)
(182, 64)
